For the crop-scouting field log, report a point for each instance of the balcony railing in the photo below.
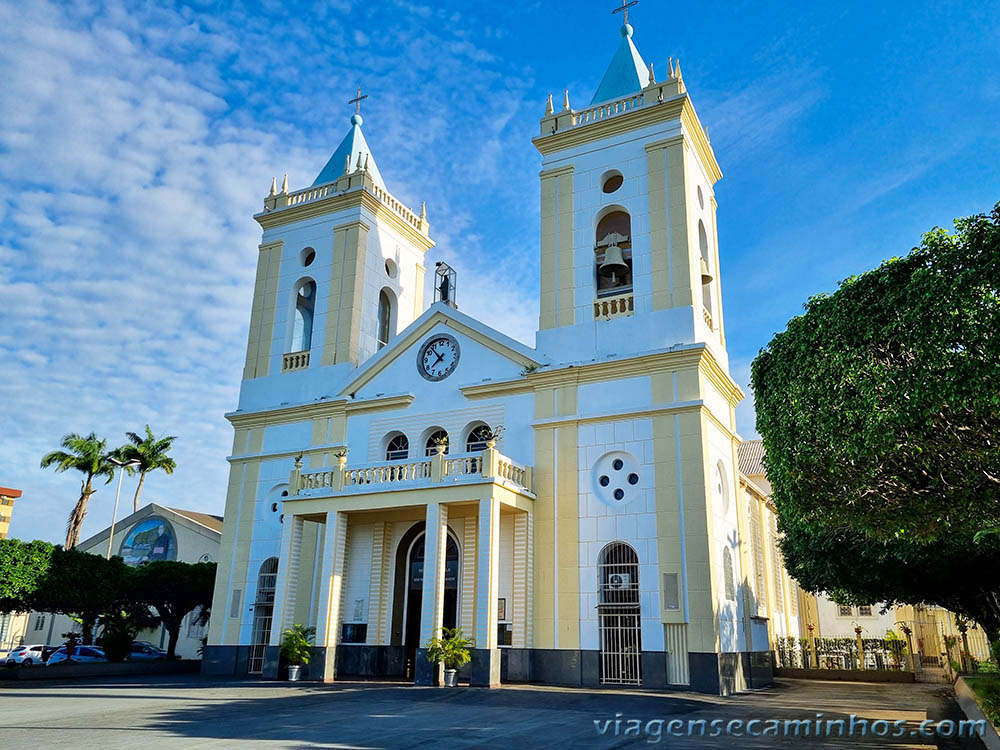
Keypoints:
(487, 464)
(618, 306)
(295, 361)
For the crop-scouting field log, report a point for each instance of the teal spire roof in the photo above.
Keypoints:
(627, 72)
(354, 143)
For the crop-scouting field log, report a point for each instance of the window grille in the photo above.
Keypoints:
(263, 612)
(618, 615)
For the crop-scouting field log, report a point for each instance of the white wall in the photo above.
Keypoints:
(604, 520)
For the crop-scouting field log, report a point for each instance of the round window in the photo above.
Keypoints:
(307, 256)
(719, 488)
(390, 268)
(617, 478)
(701, 197)
(611, 181)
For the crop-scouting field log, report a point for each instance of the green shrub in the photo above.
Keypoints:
(296, 646)
(987, 691)
(451, 649)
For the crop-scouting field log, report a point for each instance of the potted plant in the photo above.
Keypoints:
(452, 650)
(296, 648)
(441, 444)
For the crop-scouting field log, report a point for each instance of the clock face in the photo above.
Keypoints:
(438, 357)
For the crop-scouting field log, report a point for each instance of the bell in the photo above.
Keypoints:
(614, 263)
(706, 275)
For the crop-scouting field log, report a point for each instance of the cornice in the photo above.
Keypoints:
(678, 107)
(557, 171)
(358, 197)
(615, 369)
(317, 410)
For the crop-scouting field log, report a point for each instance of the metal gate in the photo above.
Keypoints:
(618, 615)
(621, 648)
(263, 612)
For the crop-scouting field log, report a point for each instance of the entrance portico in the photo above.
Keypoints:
(447, 510)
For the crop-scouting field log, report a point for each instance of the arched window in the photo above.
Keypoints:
(618, 568)
(430, 445)
(302, 325)
(613, 253)
(398, 448)
(478, 436)
(386, 317)
(706, 266)
(727, 573)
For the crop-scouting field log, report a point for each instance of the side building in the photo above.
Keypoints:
(154, 532)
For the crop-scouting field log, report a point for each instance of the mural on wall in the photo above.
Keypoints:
(149, 540)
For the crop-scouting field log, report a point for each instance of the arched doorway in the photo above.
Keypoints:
(409, 597)
(263, 612)
(618, 615)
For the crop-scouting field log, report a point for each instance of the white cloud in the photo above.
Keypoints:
(138, 141)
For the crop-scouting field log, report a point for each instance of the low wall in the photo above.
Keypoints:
(967, 702)
(86, 671)
(845, 675)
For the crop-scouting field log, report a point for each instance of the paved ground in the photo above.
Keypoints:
(185, 712)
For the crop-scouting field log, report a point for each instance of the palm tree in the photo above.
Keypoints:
(151, 453)
(88, 456)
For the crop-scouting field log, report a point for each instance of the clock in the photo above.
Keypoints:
(438, 357)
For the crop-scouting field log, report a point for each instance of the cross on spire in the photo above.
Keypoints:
(624, 9)
(356, 101)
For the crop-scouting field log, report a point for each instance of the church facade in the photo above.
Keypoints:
(603, 535)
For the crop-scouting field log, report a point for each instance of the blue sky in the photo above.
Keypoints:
(138, 141)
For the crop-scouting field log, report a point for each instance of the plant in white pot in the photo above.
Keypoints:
(296, 649)
(452, 650)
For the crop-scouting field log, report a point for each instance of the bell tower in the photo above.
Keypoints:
(629, 250)
(340, 270)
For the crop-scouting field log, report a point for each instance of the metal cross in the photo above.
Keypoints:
(356, 101)
(624, 9)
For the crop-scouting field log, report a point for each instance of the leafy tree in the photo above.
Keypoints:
(89, 456)
(173, 589)
(880, 411)
(22, 566)
(80, 585)
(151, 453)
(121, 625)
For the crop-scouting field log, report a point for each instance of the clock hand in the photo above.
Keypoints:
(440, 356)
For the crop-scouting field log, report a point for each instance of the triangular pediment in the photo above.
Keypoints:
(496, 350)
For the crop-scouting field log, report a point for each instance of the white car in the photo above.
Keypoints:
(81, 655)
(28, 655)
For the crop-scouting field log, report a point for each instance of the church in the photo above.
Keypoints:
(576, 508)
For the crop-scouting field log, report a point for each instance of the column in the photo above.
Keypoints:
(329, 608)
(432, 600)
(486, 656)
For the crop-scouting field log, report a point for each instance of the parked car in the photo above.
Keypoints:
(146, 651)
(29, 655)
(81, 655)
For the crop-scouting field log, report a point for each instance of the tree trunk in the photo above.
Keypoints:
(76, 517)
(173, 633)
(138, 489)
(87, 626)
